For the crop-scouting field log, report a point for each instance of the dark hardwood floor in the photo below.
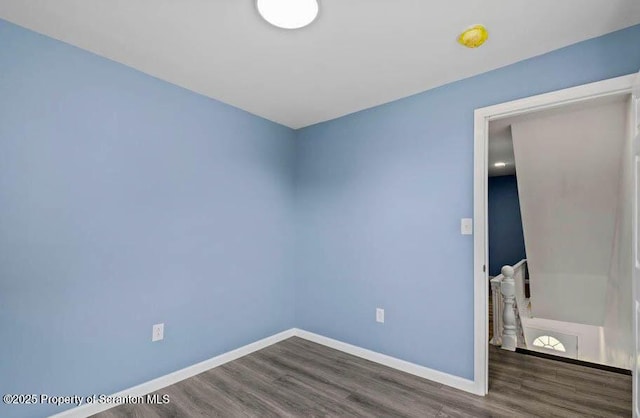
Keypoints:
(297, 378)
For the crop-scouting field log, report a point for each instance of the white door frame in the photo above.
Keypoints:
(610, 87)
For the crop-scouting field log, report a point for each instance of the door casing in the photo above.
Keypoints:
(616, 86)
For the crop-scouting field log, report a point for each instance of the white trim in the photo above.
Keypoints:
(177, 376)
(480, 257)
(599, 89)
(611, 87)
(395, 363)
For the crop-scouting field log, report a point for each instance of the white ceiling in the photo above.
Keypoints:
(357, 54)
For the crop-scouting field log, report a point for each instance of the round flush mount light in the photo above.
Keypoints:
(288, 14)
(473, 36)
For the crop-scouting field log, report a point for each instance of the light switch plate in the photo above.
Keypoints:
(380, 315)
(466, 226)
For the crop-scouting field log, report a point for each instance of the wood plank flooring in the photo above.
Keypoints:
(297, 378)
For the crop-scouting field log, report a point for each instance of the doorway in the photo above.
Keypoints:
(621, 86)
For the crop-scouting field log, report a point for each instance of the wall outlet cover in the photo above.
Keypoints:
(158, 332)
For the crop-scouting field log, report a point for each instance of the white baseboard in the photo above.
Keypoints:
(395, 363)
(86, 410)
(177, 376)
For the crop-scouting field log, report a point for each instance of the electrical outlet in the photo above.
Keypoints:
(158, 332)
(380, 315)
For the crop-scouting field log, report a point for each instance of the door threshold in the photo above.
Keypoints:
(574, 361)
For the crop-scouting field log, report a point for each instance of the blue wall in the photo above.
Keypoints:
(506, 239)
(126, 201)
(380, 194)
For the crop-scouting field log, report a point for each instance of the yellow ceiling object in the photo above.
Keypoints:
(473, 36)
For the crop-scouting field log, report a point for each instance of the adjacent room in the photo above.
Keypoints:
(560, 225)
(301, 208)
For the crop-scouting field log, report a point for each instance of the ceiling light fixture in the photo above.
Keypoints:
(473, 36)
(288, 14)
(500, 164)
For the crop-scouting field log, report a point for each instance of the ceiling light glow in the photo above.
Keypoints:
(473, 36)
(288, 14)
(500, 164)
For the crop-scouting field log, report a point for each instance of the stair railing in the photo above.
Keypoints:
(509, 302)
(509, 327)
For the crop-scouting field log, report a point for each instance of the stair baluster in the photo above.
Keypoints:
(509, 335)
(498, 308)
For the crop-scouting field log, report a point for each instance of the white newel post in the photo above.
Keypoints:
(496, 297)
(509, 336)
